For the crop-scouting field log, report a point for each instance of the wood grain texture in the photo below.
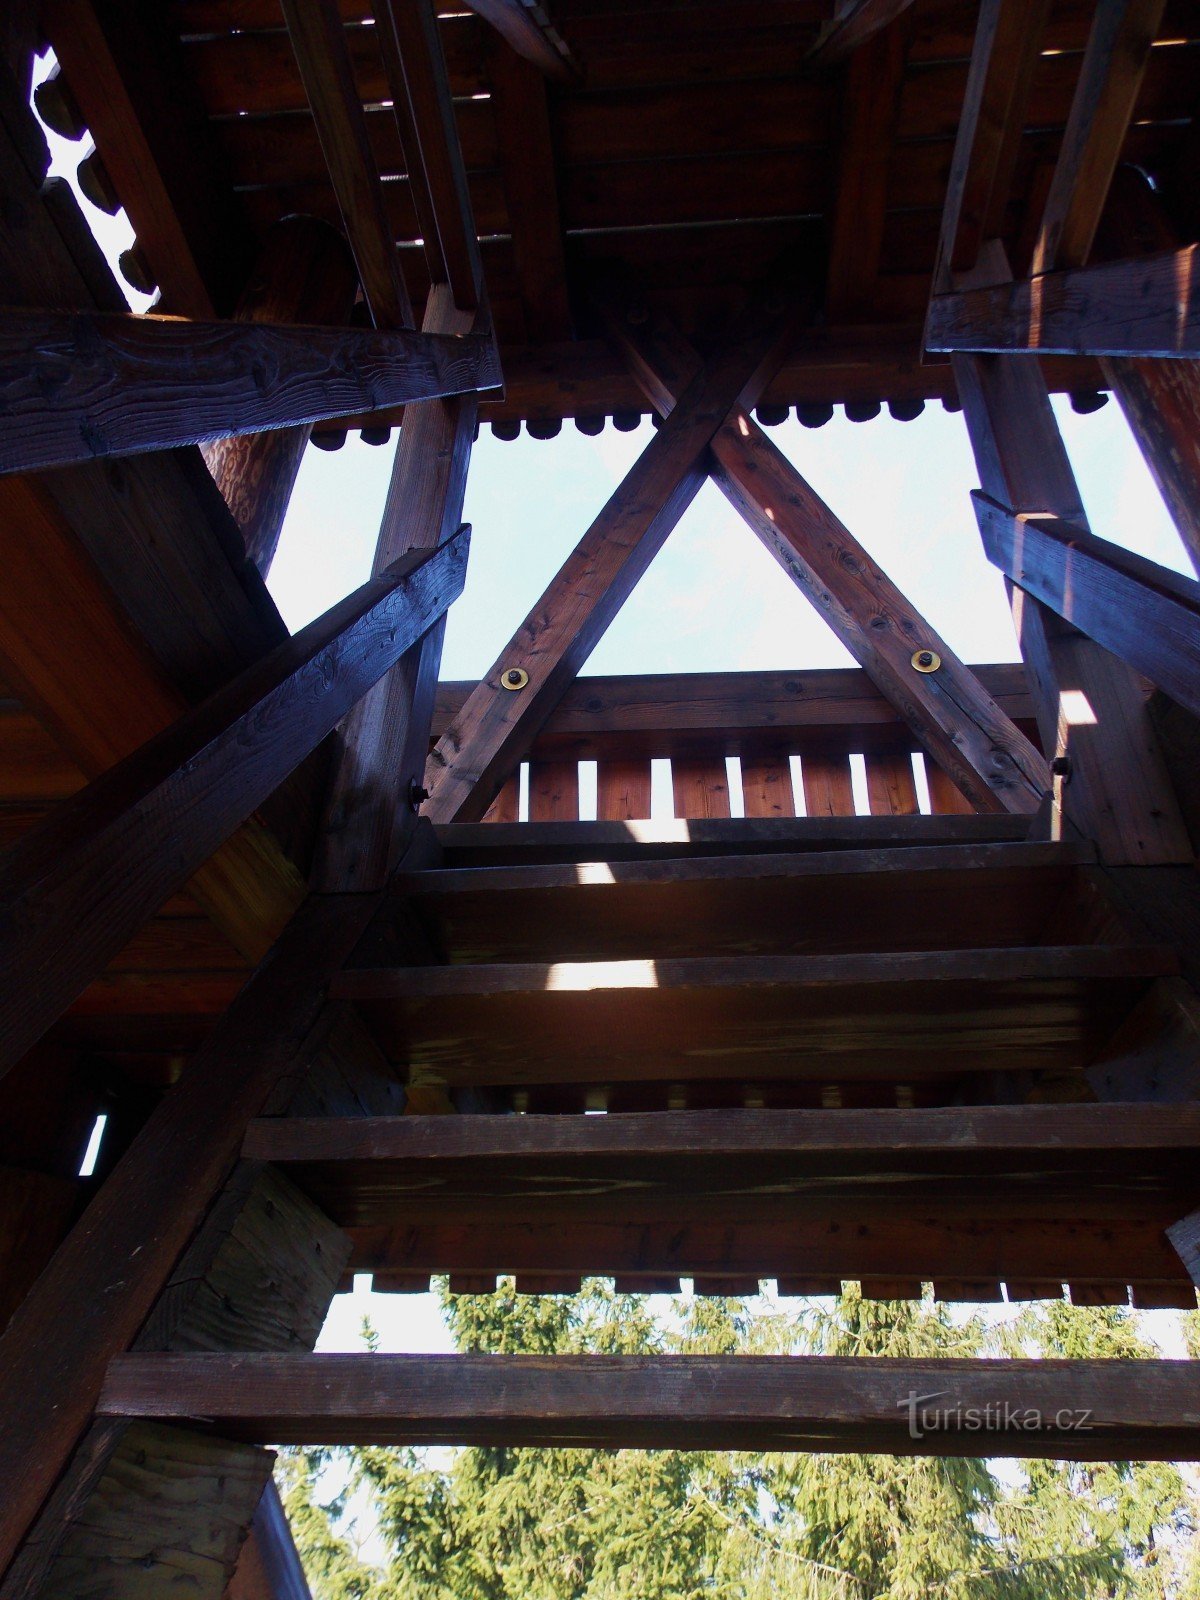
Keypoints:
(1143, 613)
(75, 388)
(80, 886)
(854, 24)
(1141, 1410)
(1148, 306)
(494, 728)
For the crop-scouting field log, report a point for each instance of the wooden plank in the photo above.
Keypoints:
(946, 799)
(117, 386)
(507, 804)
(319, 41)
(700, 787)
(1143, 1410)
(828, 790)
(553, 791)
(891, 786)
(124, 66)
(496, 726)
(1091, 707)
(767, 785)
(1148, 306)
(107, 1275)
(526, 26)
(269, 1566)
(947, 709)
(622, 790)
(1185, 1237)
(85, 881)
(37, 1209)
(1110, 77)
(1146, 614)
(855, 23)
(304, 273)
(383, 743)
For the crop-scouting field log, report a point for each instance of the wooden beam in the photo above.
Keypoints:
(269, 1566)
(319, 40)
(124, 66)
(476, 754)
(1072, 1410)
(97, 1292)
(76, 387)
(1148, 306)
(384, 742)
(526, 25)
(412, 52)
(1008, 38)
(78, 887)
(854, 24)
(1110, 77)
(948, 711)
(304, 273)
(1147, 615)
(1185, 1237)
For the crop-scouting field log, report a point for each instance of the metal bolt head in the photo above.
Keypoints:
(417, 794)
(926, 660)
(1060, 766)
(513, 678)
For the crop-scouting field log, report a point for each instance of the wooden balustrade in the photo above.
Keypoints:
(759, 744)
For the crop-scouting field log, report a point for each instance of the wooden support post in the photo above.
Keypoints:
(1185, 1236)
(79, 886)
(305, 273)
(495, 727)
(319, 41)
(528, 29)
(1147, 615)
(854, 24)
(1091, 708)
(269, 1566)
(948, 710)
(384, 741)
(74, 388)
(1085, 1410)
(96, 1294)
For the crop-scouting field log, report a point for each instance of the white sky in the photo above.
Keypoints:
(712, 601)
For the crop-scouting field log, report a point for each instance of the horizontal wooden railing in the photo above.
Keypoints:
(763, 744)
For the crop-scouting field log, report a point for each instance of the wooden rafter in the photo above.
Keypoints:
(476, 754)
(948, 710)
(527, 27)
(146, 826)
(854, 24)
(319, 41)
(1140, 611)
(1139, 1410)
(1147, 306)
(76, 387)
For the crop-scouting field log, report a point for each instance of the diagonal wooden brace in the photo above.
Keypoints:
(493, 730)
(948, 710)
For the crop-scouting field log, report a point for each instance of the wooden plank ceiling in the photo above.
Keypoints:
(693, 146)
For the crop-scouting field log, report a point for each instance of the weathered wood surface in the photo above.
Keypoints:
(1148, 306)
(304, 273)
(1146, 614)
(81, 885)
(850, 1016)
(319, 41)
(269, 1566)
(477, 753)
(948, 711)
(1123, 1410)
(77, 387)
(106, 1276)
(853, 24)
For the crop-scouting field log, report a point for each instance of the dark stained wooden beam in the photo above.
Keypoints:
(1008, 39)
(527, 27)
(304, 273)
(412, 54)
(1085, 1410)
(1185, 1237)
(1145, 614)
(854, 24)
(124, 66)
(948, 711)
(77, 888)
(384, 742)
(1110, 77)
(319, 41)
(269, 1566)
(76, 387)
(1148, 306)
(95, 1296)
(476, 754)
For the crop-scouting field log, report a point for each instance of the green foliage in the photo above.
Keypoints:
(525, 1524)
